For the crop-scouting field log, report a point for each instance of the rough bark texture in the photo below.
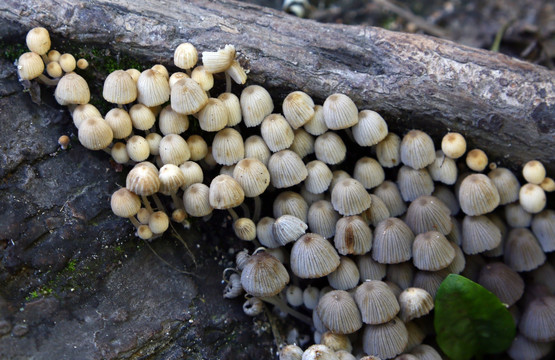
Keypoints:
(501, 104)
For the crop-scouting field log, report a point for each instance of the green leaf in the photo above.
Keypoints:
(470, 320)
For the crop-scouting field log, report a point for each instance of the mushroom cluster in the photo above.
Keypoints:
(360, 224)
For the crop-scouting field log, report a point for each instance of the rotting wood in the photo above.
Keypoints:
(503, 105)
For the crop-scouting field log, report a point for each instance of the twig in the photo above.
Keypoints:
(417, 20)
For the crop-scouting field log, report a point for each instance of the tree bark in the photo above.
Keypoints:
(502, 105)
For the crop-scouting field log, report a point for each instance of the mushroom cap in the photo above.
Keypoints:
(125, 203)
(72, 89)
(532, 198)
(231, 102)
(256, 104)
(352, 236)
(263, 275)
(537, 322)
(370, 129)
(322, 218)
(255, 147)
(431, 251)
(476, 160)
(428, 213)
(213, 116)
(196, 199)
(171, 179)
(543, 227)
(478, 195)
(152, 88)
(392, 242)
(193, 173)
(119, 88)
(502, 281)
(290, 203)
(83, 112)
(377, 211)
(317, 124)
(197, 146)
(349, 197)
(506, 183)
(370, 269)
(346, 276)
(388, 151)
(414, 183)
(228, 147)
(400, 274)
(417, 149)
(443, 169)
(453, 145)
(385, 340)
(339, 313)
(286, 169)
(376, 301)
(174, 150)
(533, 172)
(340, 112)
(523, 348)
(172, 122)
(38, 40)
(318, 178)
(187, 97)
(142, 117)
(218, 61)
(522, 250)
(138, 148)
(479, 234)
(303, 143)
(390, 195)
(265, 232)
(245, 229)
(237, 73)
(203, 77)
(288, 228)
(95, 134)
(414, 303)
(276, 132)
(319, 352)
(369, 172)
(252, 175)
(312, 256)
(329, 148)
(143, 179)
(29, 66)
(298, 108)
(158, 222)
(185, 56)
(338, 343)
(120, 122)
(225, 192)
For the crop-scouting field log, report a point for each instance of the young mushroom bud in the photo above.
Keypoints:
(119, 88)
(340, 112)
(72, 89)
(38, 40)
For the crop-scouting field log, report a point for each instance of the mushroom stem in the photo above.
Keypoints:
(158, 203)
(276, 301)
(257, 209)
(177, 201)
(45, 58)
(227, 82)
(146, 204)
(134, 221)
(47, 81)
(246, 212)
(233, 214)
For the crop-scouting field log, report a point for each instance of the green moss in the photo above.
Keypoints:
(12, 51)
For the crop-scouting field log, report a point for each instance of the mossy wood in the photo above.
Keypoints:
(503, 105)
(469, 320)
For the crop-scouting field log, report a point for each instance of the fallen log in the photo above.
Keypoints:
(502, 105)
